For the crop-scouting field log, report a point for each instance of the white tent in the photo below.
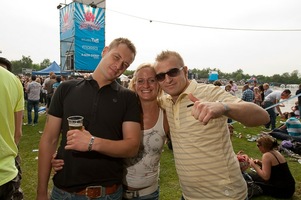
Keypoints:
(123, 77)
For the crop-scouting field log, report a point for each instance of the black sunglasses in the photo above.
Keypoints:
(171, 73)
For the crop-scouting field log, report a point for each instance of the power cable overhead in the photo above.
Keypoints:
(206, 27)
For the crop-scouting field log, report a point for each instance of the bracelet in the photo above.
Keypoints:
(226, 107)
(91, 143)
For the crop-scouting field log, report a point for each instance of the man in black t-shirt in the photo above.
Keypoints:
(92, 156)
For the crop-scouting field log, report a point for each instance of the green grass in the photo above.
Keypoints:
(169, 186)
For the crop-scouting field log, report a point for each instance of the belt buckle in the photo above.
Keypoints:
(129, 194)
(96, 191)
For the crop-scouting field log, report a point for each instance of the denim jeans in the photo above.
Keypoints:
(272, 114)
(58, 194)
(35, 105)
(152, 196)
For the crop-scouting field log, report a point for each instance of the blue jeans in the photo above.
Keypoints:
(35, 105)
(152, 196)
(272, 114)
(58, 194)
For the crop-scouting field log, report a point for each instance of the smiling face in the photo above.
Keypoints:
(172, 85)
(145, 83)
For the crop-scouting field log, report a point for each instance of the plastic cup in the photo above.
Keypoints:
(75, 122)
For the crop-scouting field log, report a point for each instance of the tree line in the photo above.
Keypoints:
(293, 77)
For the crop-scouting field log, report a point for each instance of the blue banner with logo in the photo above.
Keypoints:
(85, 38)
(67, 22)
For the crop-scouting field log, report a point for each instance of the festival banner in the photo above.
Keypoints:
(84, 40)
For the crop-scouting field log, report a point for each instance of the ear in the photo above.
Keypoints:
(104, 51)
(186, 70)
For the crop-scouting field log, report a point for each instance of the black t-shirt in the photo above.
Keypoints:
(104, 110)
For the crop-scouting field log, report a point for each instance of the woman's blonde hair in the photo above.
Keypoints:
(133, 81)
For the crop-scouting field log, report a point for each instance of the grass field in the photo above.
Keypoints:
(169, 186)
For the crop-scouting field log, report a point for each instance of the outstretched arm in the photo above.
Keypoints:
(243, 112)
(247, 113)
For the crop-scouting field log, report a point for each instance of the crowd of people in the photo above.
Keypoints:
(116, 154)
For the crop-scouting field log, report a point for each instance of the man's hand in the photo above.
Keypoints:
(204, 111)
(78, 140)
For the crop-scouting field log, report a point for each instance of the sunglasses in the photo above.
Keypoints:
(171, 73)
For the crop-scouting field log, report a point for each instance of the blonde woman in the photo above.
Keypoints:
(142, 171)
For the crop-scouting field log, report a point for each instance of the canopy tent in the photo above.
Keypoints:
(123, 77)
(54, 67)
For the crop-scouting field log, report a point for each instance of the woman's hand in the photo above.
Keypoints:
(57, 164)
(258, 162)
(255, 162)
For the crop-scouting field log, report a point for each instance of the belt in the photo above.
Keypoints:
(97, 191)
(130, 194)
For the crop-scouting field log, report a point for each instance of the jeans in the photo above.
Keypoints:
(35, 105)
(7, 190)
(272, 114)
(152, 196)
(58, 194)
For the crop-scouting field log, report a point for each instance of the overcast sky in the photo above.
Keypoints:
(31, 28)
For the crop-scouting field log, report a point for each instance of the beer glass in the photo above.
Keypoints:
(75, 122)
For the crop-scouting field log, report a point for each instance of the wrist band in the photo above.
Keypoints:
(91, 143)
(226, 107)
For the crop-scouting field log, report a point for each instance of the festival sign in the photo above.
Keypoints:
(82, 36)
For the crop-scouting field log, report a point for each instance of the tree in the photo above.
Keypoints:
(45, 63)
(294, 77)
(18, 65)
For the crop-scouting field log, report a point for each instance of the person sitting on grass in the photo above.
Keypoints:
(291, 129)
(272, 172)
